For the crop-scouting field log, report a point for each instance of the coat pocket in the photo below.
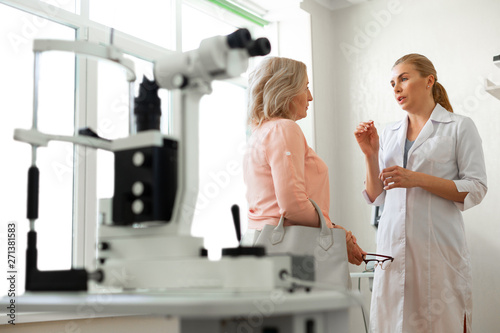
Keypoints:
(438, 149)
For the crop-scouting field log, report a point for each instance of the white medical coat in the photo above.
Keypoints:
(428, 286)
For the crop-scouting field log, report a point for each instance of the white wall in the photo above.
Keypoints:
(353, 52)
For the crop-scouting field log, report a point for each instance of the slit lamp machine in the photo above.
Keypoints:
(144, 240)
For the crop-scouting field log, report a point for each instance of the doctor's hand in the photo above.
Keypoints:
(367, 137)
(396, 176)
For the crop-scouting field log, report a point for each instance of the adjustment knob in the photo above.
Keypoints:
(138, 188)
(103, 246)
(138, 159)
(138, 206)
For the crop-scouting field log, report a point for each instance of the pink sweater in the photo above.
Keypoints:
(281, 173)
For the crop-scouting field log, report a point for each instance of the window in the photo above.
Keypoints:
(222, 144)
(71, 181)
(56, 115)
(222, 116)
(55, 5)
(113, 113)
(194, 17)
(222, 136)
(149, 20)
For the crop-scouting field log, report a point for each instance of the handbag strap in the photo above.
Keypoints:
(325, 239)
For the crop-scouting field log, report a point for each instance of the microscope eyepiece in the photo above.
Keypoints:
(259, 47)
(239, 39)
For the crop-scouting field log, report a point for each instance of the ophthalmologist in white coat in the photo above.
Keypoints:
(425, 169)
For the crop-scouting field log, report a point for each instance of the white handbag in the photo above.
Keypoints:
(326, 245)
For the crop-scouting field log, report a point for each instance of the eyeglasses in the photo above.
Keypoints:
(372, 263)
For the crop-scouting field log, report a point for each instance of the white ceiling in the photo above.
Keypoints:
(263, 7)
(337, 4)
(268, 6)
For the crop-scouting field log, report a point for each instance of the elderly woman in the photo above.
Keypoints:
(280, 170)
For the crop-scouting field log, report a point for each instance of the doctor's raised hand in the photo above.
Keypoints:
(424, 170)
(367, 138)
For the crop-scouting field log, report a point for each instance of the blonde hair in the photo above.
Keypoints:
(271, 89)
(425, 67)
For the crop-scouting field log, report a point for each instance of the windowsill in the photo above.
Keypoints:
(75, 306)
(38, 317)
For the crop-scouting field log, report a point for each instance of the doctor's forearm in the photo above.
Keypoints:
(373, 185)
(444, 188)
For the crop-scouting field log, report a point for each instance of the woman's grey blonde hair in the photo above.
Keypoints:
(272, 86)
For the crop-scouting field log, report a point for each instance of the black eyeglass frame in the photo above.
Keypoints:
(379, 262)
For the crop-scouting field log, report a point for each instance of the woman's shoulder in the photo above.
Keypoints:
(461, 118)
(447, 116)
(464, 124)
(281, 124)
(392, 126)
(279, 129)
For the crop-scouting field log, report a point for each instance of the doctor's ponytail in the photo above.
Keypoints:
(425, 67)
(440, 96)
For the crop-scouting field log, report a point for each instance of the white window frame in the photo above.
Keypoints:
(85, 162)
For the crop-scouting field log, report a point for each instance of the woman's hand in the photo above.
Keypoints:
(355, 254)
(397, 176)
(367, 137)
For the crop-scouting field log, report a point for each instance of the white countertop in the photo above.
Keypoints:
(200, 305)
(362, 274)
(58, 306)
